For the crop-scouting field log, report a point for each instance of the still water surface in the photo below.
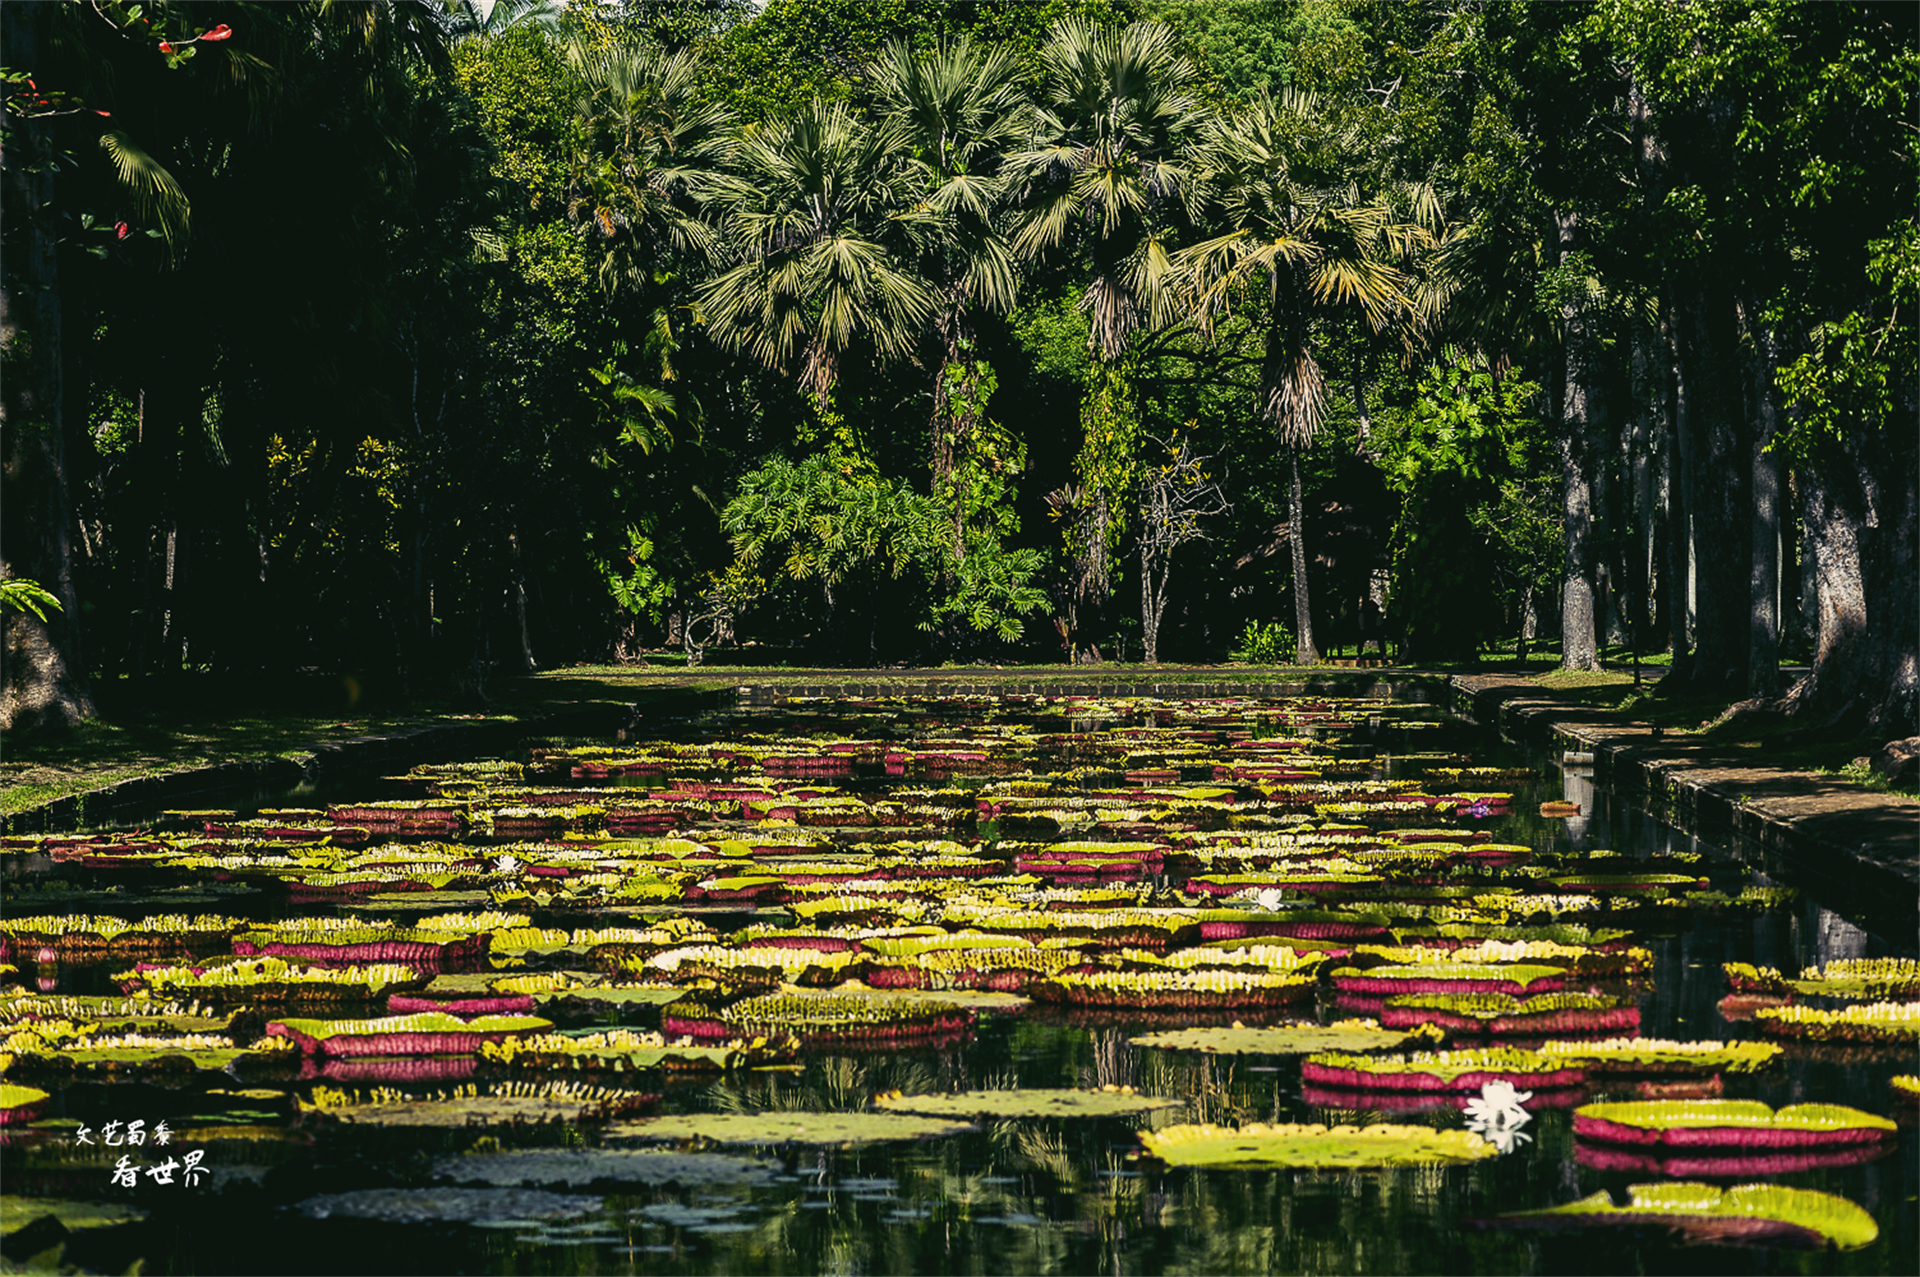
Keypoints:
(1047, 1197)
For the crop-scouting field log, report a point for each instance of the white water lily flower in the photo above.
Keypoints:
(1497, 1116)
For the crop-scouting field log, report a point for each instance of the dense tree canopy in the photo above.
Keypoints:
(419, 338)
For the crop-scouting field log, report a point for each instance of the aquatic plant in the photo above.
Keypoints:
(21, 1104)
(145, 1051)
(1518, 978)
(510, 1103)
(1498, 1113)
(427, 1033)
(1195, 990)
(1664, 1056)
(1468, 1070)
(1258, 1147)
(1575, 958)
(1888, 1022)
(357, 940)
(1744, 1124)
(788, 1126)
(818, 1021)
(1871, 979)
(1279, 1039)
(460, 1004)
(1746, 1214)
(622, 1050)
(71, 935)
(1503, 1015)
(272, 980)
(1108, 1101)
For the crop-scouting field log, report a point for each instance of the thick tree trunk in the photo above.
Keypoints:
(1305, 652)
(1862, 520)
(1679, 557)
(1645, 395)
(1577, 650)
(1719, 482)
(43, 680)
(1763, 468)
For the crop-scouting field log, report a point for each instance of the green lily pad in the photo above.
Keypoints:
(1750, 1116)
(448, 1205)
(1751, 1214)
(17, 1212)
(1658, 1055)
(508, 1104)
(622, 996)
(1280, 1039)
(1343, 1147)
(972, 999)
(797, 1127)
(579, 1168)
(1026, 1103)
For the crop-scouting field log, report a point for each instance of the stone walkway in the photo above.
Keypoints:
(1835, 838)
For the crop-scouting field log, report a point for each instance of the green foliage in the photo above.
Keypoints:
(1265, 643)
(523, 92)
(23, 595)
(642, 589)
(1468, 457)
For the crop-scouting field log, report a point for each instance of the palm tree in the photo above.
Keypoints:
(1113, 130)
(822, 212)
(1115, 124)
(483, 19)
(650, 145)
(1303, 236)
(959, 108)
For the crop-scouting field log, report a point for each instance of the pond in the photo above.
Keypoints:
(1241, 981)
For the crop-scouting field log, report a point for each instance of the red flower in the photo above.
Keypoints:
(32, 85)
(220, 32)
(165, 47)
(120, 230)
(98, 111)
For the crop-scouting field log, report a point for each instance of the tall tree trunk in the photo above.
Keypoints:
(1305, 652)
(1763, 409)
(1719, 483)
(1152, 604)
(1862, 521)
(1577, 649)
(518, 584)
(1645, 394)
(1679, 510)
(43, 678)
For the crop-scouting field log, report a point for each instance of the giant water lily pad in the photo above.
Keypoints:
(424, 1033)
(1662, 1056)
(448, 1205)
(1747, 1214)
(1729, 1123)
(20, 1104)
(1280, 1039)
(795, 1127)
(972, 999)
(507, 1104)
(1038, 1102)
(1260, 1146)
(579, 1168)
(621, 1050)
(1440, 1070)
